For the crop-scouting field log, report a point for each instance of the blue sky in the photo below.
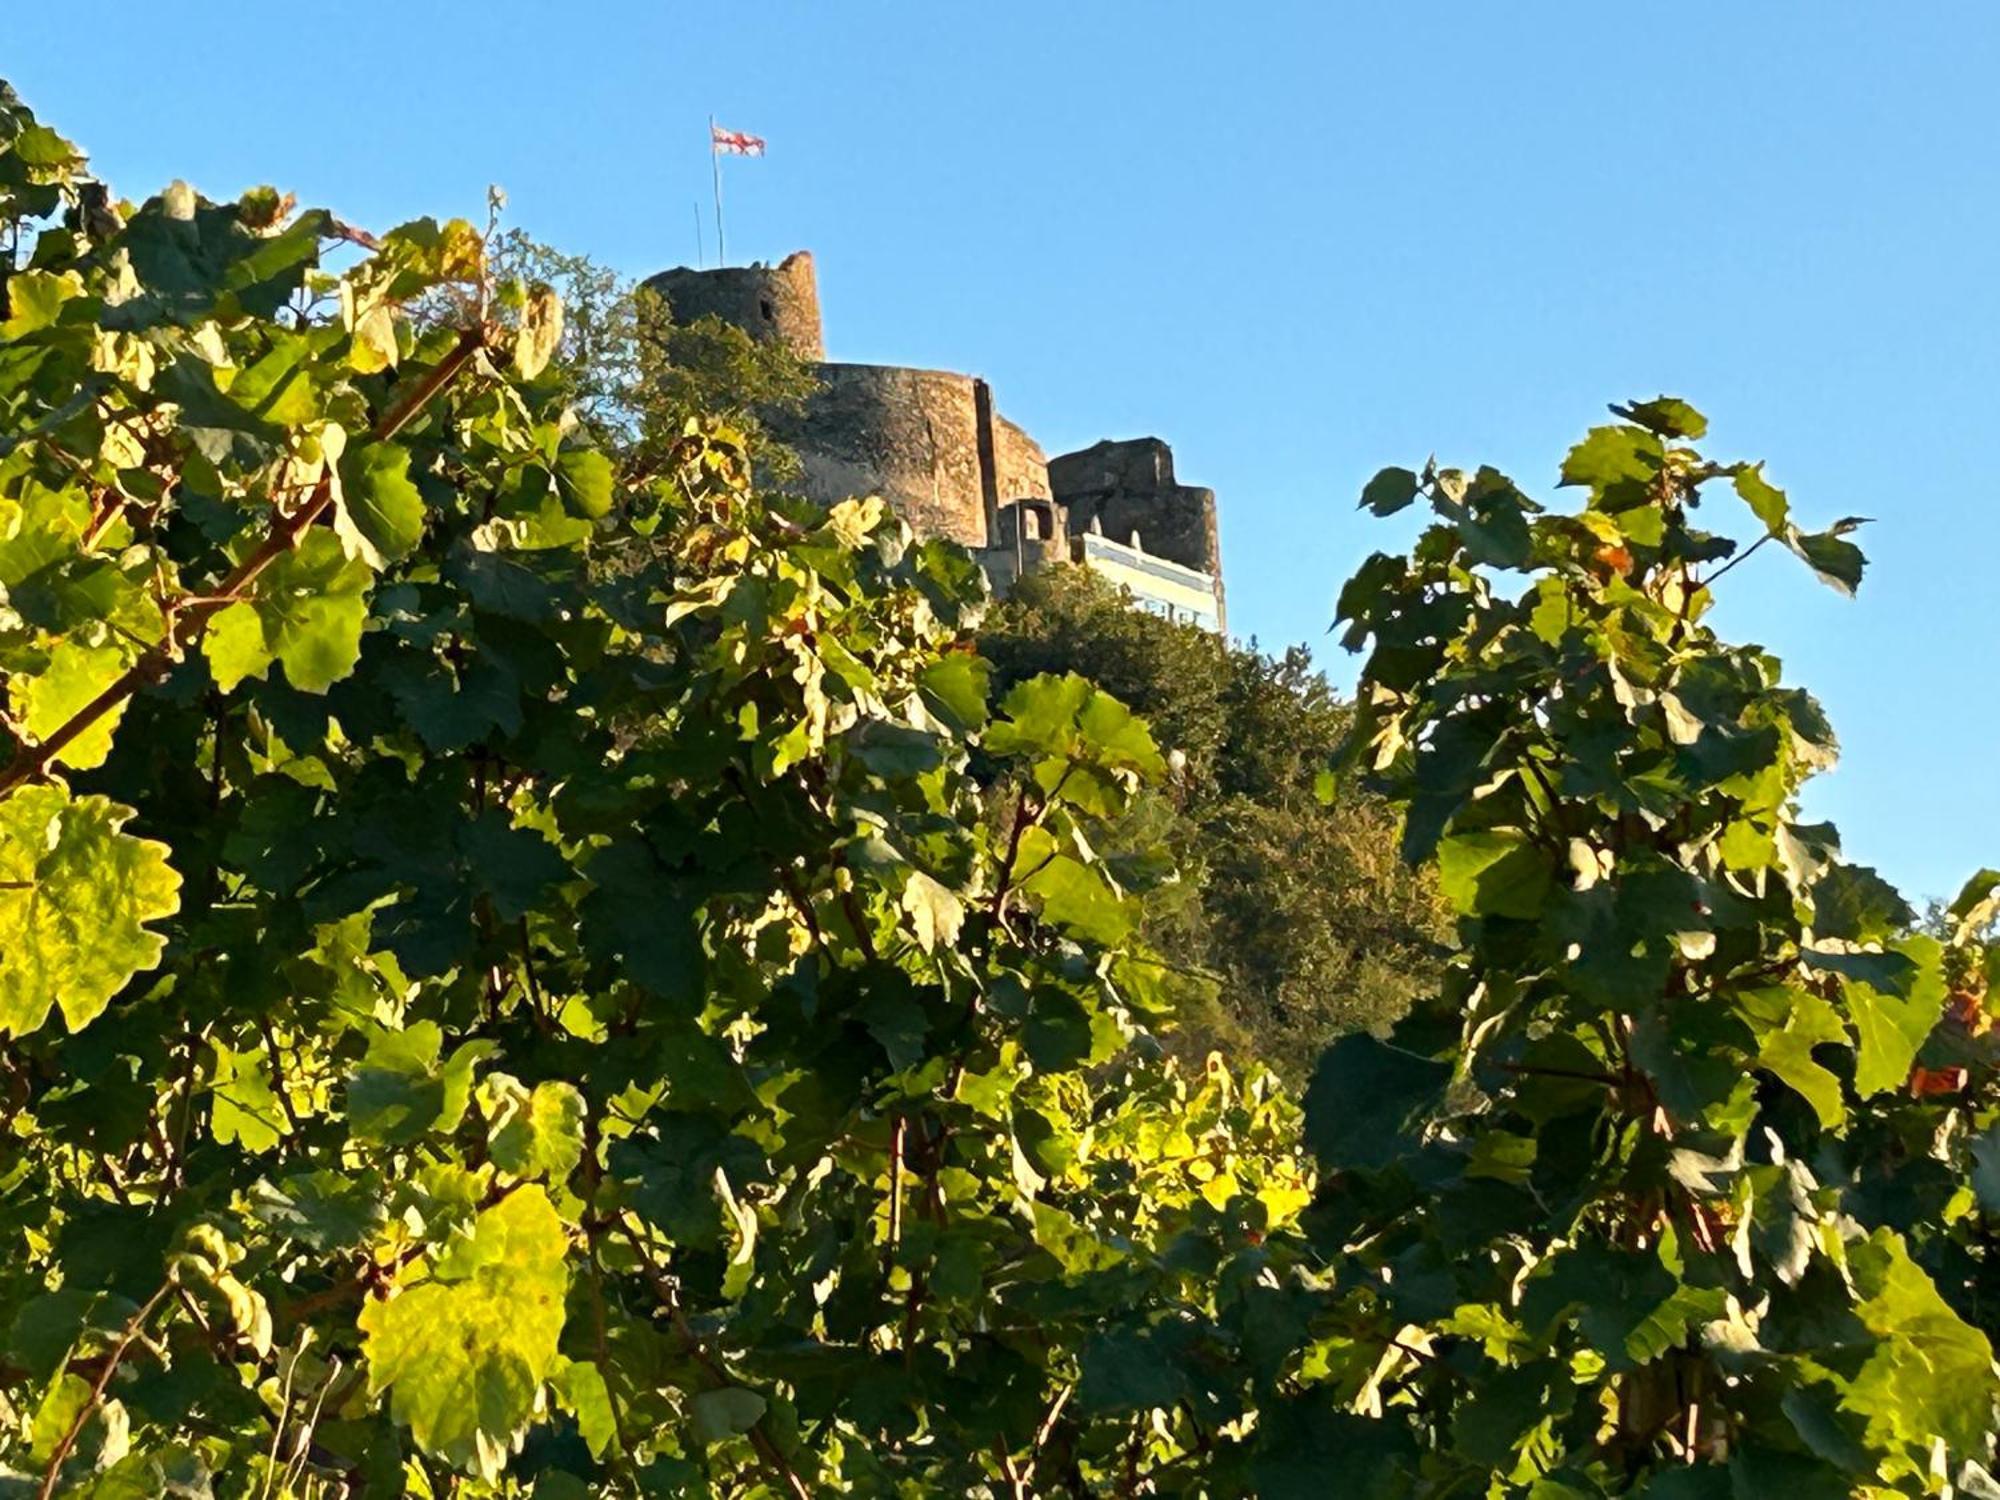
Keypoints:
(1299, 241)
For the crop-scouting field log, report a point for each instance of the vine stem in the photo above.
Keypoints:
(191, 619)
(77, 1423)
(760, 1440)
(1741, 557)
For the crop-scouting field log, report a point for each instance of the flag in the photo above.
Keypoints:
(734, 142)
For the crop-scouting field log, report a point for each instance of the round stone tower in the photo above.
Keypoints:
(778, 303)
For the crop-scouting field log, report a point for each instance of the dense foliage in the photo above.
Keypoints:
(1294, 918)
(506, 979)
(1671, 1185)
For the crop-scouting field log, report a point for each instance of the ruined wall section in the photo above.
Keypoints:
(910, 436)
(1021, 469)
(1129, 486)
(927, 441)
(778, 304)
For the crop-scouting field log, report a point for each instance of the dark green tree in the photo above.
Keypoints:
(1292, 906)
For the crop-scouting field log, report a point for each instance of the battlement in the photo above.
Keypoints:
(932, 444)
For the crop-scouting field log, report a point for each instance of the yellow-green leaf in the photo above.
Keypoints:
(464, 1355)
(76, 894)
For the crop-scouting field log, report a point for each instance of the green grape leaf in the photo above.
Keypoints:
(954, 690)
(1040, 716)
(1620, 465)
(1931, 1376)
(1498, 872)
(1853, 903)
(580, 1388)
(1128, 1370)
(326, 1210)
(639, 916)
(1975, 905)
(379, 515)
(1890, 1027)
(1368, 1101)
(532, 1133)
(514, 867)
(76, 893)
(307, 613)
(1766, 501)
(1389, 491)
(585, 481)
(402, 1092)
(65, 1400)
(1668, 416)
(1075, 897)
(464, 1356)
(726, 1412)
(242, 1106)
(1789, 1023)
(35, 299)
(1837, 561)
(44, 701)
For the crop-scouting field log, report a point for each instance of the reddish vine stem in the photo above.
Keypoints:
(98, 1388)
(192, 618)
(1023, 821)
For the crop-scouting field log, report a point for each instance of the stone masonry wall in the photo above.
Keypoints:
(910, 436)
(1021, 470)
(777, 303)
(1129, 486)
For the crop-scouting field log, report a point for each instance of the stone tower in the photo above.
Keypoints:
(778, 303)
(927, 441)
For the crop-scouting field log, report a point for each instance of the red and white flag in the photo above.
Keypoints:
(734, 142)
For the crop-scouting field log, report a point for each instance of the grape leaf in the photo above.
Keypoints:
(45, 701)
(1497, 872)
(464, 1355)
(401, 1092)
(76, 894)
(532, 1133)
(1889, 1027)
(306, 613)
(380, 515)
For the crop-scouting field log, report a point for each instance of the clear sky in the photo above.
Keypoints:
(1298, 241)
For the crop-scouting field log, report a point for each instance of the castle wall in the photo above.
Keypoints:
(910, 436)
(1021, 470)
(1129, 486)
(779, 304)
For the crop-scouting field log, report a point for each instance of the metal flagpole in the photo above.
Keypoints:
(700, 245)
(715, 162)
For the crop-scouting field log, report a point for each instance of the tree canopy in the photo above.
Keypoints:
(1294, 919)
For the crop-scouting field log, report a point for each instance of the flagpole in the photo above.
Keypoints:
(700, 245)
(715, 163)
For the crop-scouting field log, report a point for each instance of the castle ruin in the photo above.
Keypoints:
(932, 444)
